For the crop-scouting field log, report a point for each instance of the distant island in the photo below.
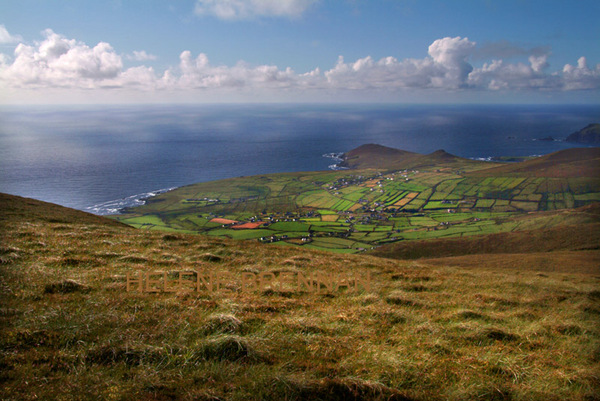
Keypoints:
(588, 135)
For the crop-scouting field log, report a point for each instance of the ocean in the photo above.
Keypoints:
(100, 159)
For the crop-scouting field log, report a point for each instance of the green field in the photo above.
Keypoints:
(354, 210)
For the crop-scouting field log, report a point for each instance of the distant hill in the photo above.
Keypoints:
(383, 157)
(588, 135)
(374, 156)
(575, 162)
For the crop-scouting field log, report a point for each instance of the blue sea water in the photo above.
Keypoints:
(102, 158)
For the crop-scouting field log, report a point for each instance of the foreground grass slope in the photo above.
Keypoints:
(427, 330)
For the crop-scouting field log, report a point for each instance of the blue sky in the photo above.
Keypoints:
(425, 51)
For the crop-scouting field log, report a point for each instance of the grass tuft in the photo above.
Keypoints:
(399, 299)
(65, 287)
(351, 389)
(489, 336)
(470, 315)
(172, 237)
(229, 348)
(133, 259)
(569, 329)
(222, 323)
(594, 294)
(112, 354)
(210, 257)
(393, 318)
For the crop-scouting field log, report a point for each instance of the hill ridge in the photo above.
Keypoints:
(380, 156)
(572, 162)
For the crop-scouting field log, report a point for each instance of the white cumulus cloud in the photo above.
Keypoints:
(445, 68)
(451, 55)
(518, 76)
(60, 62)
(199, 73)
(247, 9)
(581, 76)
(57, 61)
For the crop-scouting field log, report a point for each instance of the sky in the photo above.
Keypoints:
(219, 51)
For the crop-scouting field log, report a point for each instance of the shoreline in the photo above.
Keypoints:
(339, 158)
(117, 206)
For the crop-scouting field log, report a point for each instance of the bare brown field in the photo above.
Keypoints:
(248, 226)
(223, 221)
(409, 197)
(329, 217)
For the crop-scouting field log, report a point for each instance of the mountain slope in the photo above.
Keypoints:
(574, 162)
(16, 208)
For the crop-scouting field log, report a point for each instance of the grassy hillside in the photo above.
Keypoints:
(16, 208)
(570, 230)
(575, 162)
(426, 330)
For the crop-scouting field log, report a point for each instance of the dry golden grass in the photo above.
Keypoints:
(580, 262)
(428, 330)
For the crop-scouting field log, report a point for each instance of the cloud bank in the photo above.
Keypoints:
(59, 62)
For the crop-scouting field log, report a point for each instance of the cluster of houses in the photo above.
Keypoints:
(273, 238)
(370, 212)
(346, 181)
(205, 199)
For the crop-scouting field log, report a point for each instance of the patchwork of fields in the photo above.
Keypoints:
(350, 211)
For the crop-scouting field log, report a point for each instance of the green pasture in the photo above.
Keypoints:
(481, 205)
(440, 205)
(289, 226)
